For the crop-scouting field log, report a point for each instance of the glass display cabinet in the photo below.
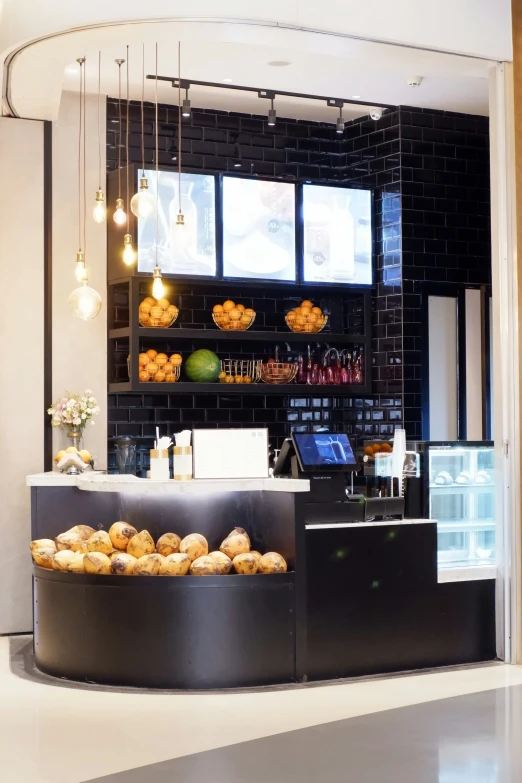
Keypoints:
(460, 479)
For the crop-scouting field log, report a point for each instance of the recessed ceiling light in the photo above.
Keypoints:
(226, 81)
(356, 96)
(279, 63)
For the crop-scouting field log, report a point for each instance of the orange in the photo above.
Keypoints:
(168, 367)
(143, 359)
(317, 310)
(297, 310)
(171, 378)
(228, 305)
(166, 318)
(144, 318)
(150, 300)
(241, 308)
(247, 379)
(238, 379)
(151, 353)
(307, 303)
(234, 314)
(144, 376)
(163, 303)
(245, 319)
(145, 307)
(152, 368)
(313, 318)
(217, 309)
(305, 310)
(161, 359)
(159, 376)
(156, 311)
(291, 316)
(176, 359)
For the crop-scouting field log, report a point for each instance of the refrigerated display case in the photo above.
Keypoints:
(460, 491)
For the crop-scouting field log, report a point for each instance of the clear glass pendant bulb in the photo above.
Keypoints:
(99, 212)
(80, 271)
(129, 256)
(119, 216)
(158, 289)
(143, 203)
(84, 302)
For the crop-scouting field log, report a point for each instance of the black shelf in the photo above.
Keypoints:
(182, 387)
(216, 334)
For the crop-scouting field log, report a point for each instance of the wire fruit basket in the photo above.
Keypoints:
(234, 320)
(157, 313)
(310, 327)
(278, 372)
(240, 371)
(159, 368)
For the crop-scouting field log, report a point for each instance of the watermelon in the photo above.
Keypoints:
(203, 366)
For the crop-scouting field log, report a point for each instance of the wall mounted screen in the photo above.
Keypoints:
(337, 227)
(258, 229)
(182, 250)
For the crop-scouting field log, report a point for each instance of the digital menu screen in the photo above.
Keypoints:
(258, 229)
(182, 250)
(327, 450)
(337, 227)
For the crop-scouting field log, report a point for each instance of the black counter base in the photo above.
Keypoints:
(165, 632)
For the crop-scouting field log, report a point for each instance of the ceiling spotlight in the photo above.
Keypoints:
(339, 125)
(376, 113)
(279, 63)
(355, 97)
(226, 81)
(185, 110)
(272, 113)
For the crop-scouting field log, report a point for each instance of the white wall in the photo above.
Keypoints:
(21, 327)
(79, 347)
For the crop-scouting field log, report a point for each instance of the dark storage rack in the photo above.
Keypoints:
(129, 338)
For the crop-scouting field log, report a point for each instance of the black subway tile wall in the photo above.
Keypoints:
(446, 237)
(429, 175)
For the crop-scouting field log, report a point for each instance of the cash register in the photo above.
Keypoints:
(328, 460)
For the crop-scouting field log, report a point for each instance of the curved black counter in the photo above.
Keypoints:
(165, 632)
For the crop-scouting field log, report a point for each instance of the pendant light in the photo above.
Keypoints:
(99, 212)
(84, 302)
(158, 289)
(129, 256)
(143, 202)
(119, 216)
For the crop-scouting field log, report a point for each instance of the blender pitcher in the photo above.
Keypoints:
(126, 455)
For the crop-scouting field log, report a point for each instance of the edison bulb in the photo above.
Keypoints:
(99, 212)
(129, 256)
(85, 302)
(80, 271)
(119, 216)
(158, 289)
(143, 203)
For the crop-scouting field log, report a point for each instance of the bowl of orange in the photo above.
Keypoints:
(157, 313)
(157, 367)
(306, 318)
(233, 317)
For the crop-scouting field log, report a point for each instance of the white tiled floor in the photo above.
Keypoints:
(53, 734)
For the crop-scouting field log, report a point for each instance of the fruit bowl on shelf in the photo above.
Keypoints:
(233, 317)
(306, 318)
(158, 367)
(157, 313)
(278, 372)
(240, 371)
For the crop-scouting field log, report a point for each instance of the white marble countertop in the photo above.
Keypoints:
(380, 523)
(127, 484)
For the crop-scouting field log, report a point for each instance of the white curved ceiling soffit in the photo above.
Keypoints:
(323, 62)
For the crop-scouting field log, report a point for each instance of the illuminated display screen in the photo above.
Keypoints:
(182, 250)
(337, 230)
(258, 229)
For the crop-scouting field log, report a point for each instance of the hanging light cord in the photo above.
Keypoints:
(127, 143)
(80, 163)
(142, 111)
(157, 166)
(179, 126)
(99, 126)
(84, 168)
(119, 123)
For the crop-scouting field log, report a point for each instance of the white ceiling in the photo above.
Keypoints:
(329, 75)
(320, 64)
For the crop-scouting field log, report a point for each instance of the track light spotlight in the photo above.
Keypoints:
(272, 113)
(339, 124)
(185, 109)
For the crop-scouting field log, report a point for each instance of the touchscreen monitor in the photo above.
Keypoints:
(326, 451)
